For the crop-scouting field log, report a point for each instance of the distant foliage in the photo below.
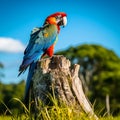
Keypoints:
(100, 73)
(7, 93)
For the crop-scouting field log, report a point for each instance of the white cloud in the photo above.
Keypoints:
(11, 45)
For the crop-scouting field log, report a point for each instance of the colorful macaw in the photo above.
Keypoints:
(42, 42)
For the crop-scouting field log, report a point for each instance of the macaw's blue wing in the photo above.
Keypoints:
(41, 39)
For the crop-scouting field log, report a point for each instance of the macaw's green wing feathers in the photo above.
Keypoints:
(41, 39)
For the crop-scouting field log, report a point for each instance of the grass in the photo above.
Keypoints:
(110, 118)
(54, 112)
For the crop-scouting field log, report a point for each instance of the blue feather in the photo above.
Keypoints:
(28, 83)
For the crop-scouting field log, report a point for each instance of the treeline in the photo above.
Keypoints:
(7, 93)
(100, 75)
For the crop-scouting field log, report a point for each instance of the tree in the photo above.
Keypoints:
(100, 72)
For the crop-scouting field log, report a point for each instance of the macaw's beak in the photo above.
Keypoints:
(63, 21)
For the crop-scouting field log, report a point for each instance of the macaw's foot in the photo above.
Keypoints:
(44, 58)
(47, 57)
(56, 56)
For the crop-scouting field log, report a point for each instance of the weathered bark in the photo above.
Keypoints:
(55, 75)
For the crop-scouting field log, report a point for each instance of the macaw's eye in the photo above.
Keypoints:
(60, 23)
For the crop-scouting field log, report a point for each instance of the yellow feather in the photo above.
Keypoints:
(45, 34)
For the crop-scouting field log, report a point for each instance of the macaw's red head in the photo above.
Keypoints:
(59, 18)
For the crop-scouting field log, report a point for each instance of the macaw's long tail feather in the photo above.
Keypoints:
(22, 71)
(22, 68)
(29, 81)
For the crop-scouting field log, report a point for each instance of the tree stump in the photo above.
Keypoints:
(56, 75)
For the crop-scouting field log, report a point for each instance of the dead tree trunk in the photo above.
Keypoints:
(56, 74)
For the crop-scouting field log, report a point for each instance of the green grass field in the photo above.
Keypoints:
(54, 112)
(23, 117)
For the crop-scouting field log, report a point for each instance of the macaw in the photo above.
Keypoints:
(42, 42)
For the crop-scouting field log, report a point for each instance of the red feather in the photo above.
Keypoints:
(58, 13)
(49, 51)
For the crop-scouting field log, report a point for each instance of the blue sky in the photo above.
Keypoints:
(89, 21)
